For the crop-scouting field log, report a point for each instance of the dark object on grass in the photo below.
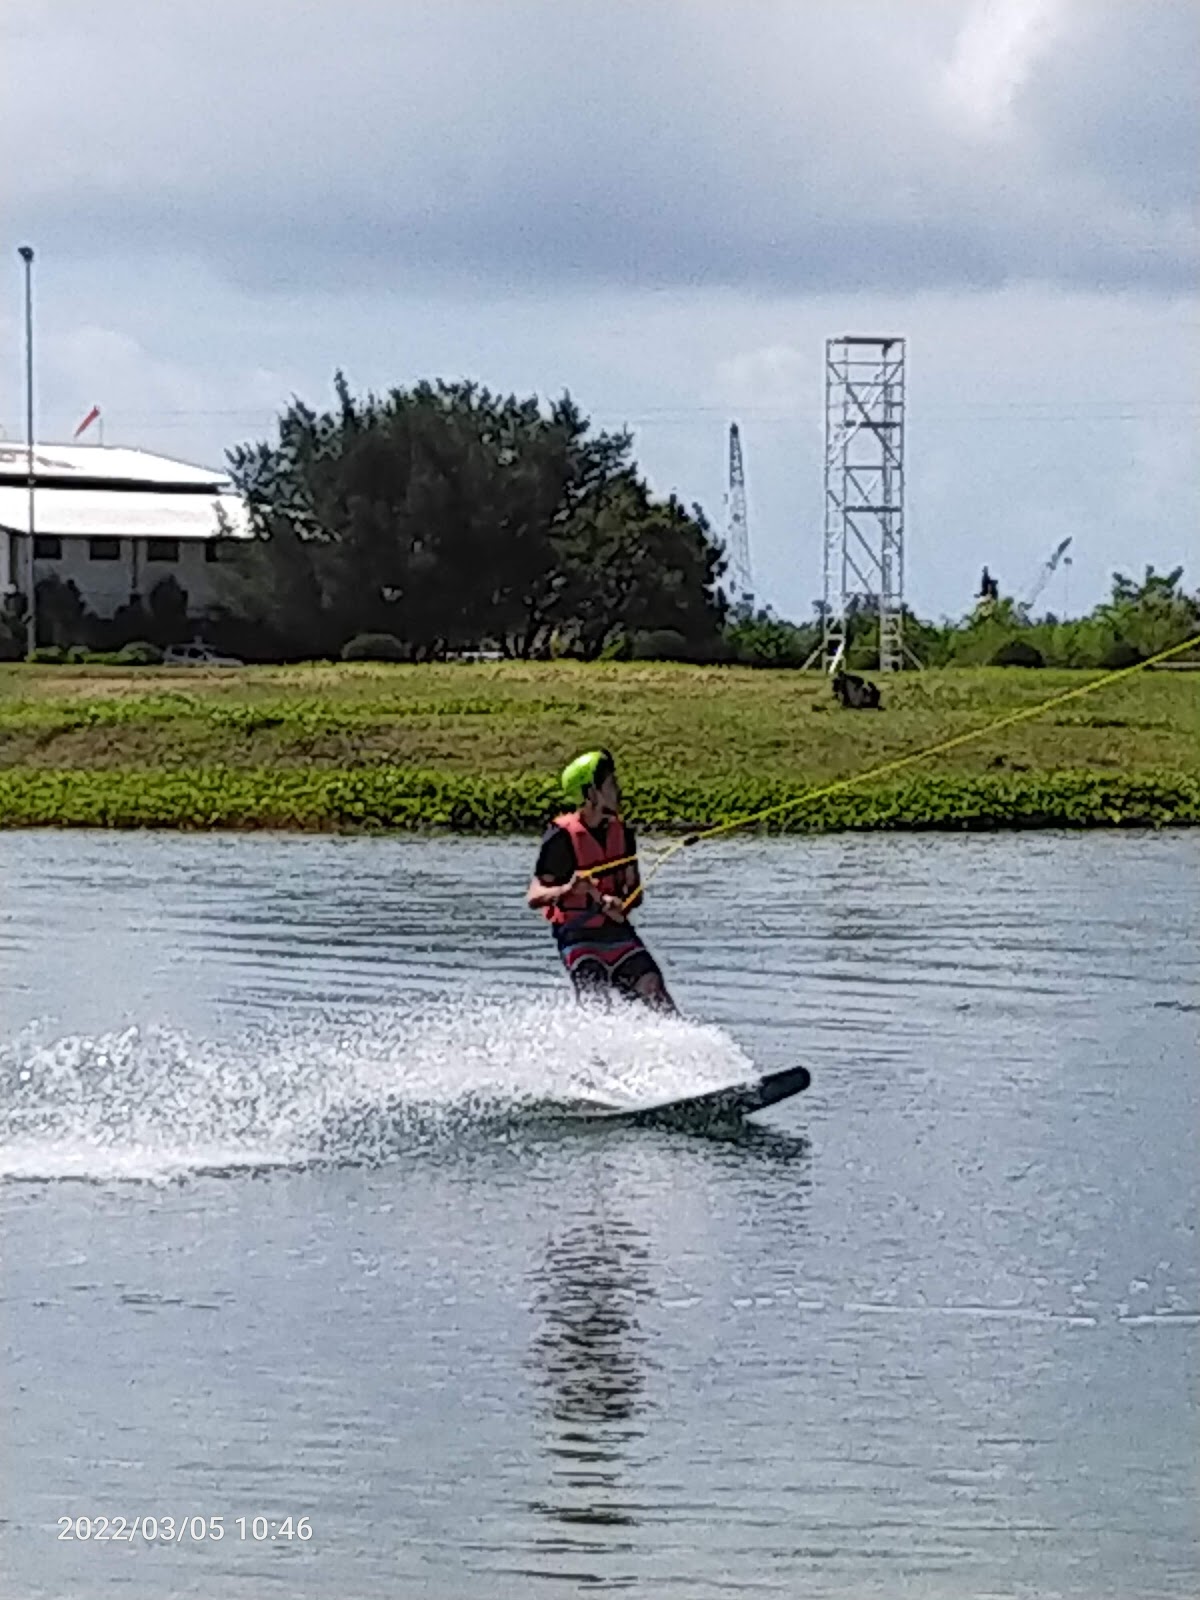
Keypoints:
(1018, 653)
(855, 693)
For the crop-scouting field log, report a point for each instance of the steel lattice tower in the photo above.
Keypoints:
(737, 538)
(864, 491)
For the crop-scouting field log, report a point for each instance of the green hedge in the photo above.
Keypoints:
(394, 798)
(141, 653)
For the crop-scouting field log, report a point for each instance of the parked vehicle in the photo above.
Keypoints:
(197, 655)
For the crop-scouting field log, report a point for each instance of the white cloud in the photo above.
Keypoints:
(997, 49)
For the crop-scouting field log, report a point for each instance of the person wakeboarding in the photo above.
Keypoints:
(587, 907)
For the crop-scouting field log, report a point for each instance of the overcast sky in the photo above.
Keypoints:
(665, 206)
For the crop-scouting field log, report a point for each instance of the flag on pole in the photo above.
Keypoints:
(91, 417)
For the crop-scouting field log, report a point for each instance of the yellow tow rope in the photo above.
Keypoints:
(884, 768)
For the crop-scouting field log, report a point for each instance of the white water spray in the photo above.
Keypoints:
(152, 1103)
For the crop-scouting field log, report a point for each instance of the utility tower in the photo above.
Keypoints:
(864, 492)
(737, 539)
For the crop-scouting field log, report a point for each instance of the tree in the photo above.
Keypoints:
(12, 626)
(1151, 615)
(451, 517)
(168, 609)
(631, 564)
(61, 613)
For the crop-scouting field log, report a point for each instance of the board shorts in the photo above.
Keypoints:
(602, 967)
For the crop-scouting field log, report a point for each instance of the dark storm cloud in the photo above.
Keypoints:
(774, 147)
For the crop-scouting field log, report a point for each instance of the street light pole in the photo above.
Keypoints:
(26, 254)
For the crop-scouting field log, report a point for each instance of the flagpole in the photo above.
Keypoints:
(26, 254)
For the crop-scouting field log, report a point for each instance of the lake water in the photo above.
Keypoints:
(286, 1235)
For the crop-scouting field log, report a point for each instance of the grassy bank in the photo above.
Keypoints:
(476, 747)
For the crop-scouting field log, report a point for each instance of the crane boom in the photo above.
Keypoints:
(737, 540)
(1047, 572)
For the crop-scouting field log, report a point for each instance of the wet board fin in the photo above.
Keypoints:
(698, 1110)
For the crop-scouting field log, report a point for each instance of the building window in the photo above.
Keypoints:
(212, 550)
(47, 547)
(104, 549)
(162, 550)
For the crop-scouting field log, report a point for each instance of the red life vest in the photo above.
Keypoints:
(588, 855)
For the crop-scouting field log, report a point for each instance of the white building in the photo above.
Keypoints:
(115, 522)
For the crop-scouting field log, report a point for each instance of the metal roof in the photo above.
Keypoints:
(59, 462)
(123, 513)
(109, 491)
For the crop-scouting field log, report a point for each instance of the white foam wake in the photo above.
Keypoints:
(152, 1103)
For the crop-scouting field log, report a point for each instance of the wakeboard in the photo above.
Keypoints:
(709, 1108)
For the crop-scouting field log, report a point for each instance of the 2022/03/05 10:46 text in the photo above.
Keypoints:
(167, 1529)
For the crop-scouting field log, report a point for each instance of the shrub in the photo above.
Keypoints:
(168, 613)
(397, 798)
(49, 655)
(140, 653)
(374, 647)
(660, 644)
(1018, 653)
(717, 652)
(1121, 654)
(766, 641)
(863, 656)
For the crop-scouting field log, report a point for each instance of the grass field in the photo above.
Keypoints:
(478, 745)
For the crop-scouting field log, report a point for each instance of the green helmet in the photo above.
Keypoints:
(584, 772)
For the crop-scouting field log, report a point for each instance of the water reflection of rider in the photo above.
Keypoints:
(590, 1355)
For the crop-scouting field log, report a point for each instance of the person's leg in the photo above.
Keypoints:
(638, 978)
(652, 991)
(590, 980)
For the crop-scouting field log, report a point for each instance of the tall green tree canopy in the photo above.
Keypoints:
(451, 517)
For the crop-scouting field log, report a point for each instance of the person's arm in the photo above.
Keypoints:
(634, 894)
(545, 892)
(617, 906)
(554, 876)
